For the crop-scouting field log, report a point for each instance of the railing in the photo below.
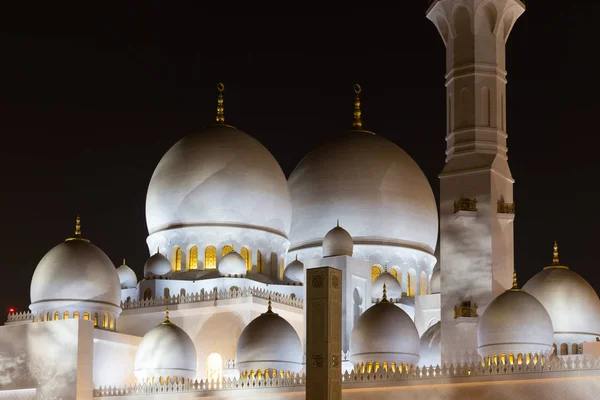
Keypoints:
(213, 295)
(465, 204)
(506, 208)
(465, 309)
(19, 316)
(412, 373)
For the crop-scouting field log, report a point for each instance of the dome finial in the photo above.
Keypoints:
(357, 124)
(384, 297)
(555, 260)
(514, 285)
(269, 308)
(167, 320)
(124, 261)
(77, 235)
(220, 107)
(157, 249)
(338, 223)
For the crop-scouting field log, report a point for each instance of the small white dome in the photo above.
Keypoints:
(75, 272)
(232, 264)
(571, 302)
(294, 272)
(269, 342)
(392, 286)
(165, 351)
(431, 346)
(127, 277)
(384, 333)
(436, 280)
(337, 242)
(514, 322)
(157, 265)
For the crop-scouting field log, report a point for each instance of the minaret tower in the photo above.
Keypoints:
(476, 186)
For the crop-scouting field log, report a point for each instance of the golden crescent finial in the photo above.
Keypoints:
(167, 320)
(555, 260)
(357, 124)
(77, 226)
(220, 107)
(514, 285)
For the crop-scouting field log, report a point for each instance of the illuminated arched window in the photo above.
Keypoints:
(511, 358)
(281, 267)
(86, 316)
(105, 321)
(214, 366)
(519, 358)
(502, 358)
(226, 250)
(394, 273)
(193, 258)
(48, 316)
(147, 294)
(76, 315)
(176, 260)
(112, 322)
(495, 359)
(423, 284)
(245, 253)
(411, 283)
(95, 319)
(210, 257)
(66, 315)
(56, 315)
(375, 272)
(258, 261)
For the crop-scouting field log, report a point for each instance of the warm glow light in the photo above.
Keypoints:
(11, 310)
(214, 366)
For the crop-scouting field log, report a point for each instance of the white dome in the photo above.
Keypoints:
(294, 272)
(431, 346)
(369, 183)
(514, 322)
(127, 277)
(384, 333)
(269, 342)
(435, 282)
(220, 176)
(157, 265)
(75, 272)
(337, 242)
(232, 264)
(392, 287)
(571, 302)
(165, 351)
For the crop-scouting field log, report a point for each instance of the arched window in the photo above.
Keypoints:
(210, 257)
(112, 322)
(86, 316)
(423, 284)
(411, 283)
(105, 321)
(258, 261)
(511, 358)
(95, 319)
(245, 253)
(574, 349)
(394, 273)
(193, 258)
(48, 316)
(66, 315)
(182, 292)
(226, 250)
(375, 272)
(76, 315)
(281, 267)
(554, 349)
(167, 293)
(214, 367)
(564, 349)
(147, 294)
(176, 260)
(56, 315)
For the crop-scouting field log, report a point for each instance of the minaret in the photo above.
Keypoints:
(476, 194)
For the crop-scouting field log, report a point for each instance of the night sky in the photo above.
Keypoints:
(91, 98)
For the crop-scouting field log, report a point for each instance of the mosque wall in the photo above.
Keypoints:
(114, 356)
(54, 358)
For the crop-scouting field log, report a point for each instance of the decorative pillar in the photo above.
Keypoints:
(323, 334)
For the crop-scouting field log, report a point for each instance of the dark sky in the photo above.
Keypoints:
(91, 98)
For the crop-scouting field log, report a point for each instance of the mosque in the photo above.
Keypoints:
(221, 309)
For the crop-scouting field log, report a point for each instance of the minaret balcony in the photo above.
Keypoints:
(506, 208)
(465, 207)
(466, 311)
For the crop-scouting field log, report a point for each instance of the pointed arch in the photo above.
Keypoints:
(66, 315)
(210, 257)
(76, 315)
(86, 316)
(228, 248)
(423, 284)
(147, 294)
(245, 253)
(214, 367)
(95, 319)
(176, 259)
(258, 261)
(375, 272)
(394, 273)
(193, 258)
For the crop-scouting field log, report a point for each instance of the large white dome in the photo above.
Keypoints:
(269, 342)
(571, 302)
(75, 274)
(370, 184)
(384, 333)
(127, 277)
(514, 322)
(219, 176)
(165, 351)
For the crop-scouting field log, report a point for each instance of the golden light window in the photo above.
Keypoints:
(375, 272)
(245, 253)
(176, 260)
(210, 257)
(193, 258)
(226, 250)
(258, 261)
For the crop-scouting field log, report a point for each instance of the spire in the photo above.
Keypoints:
(357, 124)
(77, 235)
(515, 286)
(555, 260)
(167, 320)
(338, 223)
(124, 261)
(220, 108)
(384, 298)
(269, 308)
(157, 250)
